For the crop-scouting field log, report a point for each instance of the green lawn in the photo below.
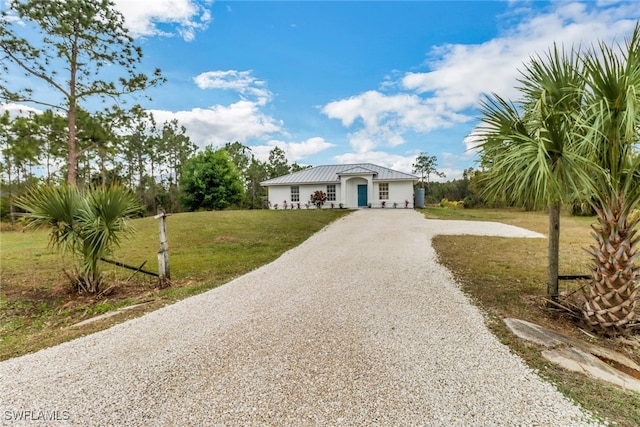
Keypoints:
(206, 250)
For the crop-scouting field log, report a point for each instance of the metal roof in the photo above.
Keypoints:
(331, 174)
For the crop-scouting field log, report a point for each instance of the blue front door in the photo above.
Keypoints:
(362, 195)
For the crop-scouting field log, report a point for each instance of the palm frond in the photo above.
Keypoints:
(53, 207)
(103, 222)
(89, 225)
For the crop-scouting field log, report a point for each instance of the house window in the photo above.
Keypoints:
(331, 193)
(384, 191)
(295, 193)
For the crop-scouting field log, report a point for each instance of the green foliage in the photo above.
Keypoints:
(573, 135)
(457, 189)
(471, 202)
(87, 224)
(529, 150)
(210, 180)
(252, 172)
(256, 173)
(611, 123)
(278, 164)
(572, 132)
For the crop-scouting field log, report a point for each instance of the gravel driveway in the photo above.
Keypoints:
(357, 326)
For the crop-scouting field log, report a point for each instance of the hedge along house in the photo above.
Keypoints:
(349, 186)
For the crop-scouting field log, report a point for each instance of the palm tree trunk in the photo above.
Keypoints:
(612, 295)
(554, 251)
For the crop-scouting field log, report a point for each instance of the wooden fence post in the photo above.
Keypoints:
(164, 271)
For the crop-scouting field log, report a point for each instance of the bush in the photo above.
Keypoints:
(89, 223)
(444, 202)
(319, 198)
(210, 180)
(471, 202)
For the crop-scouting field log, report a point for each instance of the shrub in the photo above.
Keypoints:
(210, 180)
(471, 202)
(318, 198)
(89, 224)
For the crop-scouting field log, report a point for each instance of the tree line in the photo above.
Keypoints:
(129, 148)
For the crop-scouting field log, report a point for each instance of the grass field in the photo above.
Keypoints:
(506, 277)
(207, 249)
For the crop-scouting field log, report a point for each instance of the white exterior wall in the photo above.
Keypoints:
(279, 193)
(346, 193)
(398, 193)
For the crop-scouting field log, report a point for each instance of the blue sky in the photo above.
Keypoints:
(344, 82)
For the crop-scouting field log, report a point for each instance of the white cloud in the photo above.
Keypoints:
(240, 121)
(219, 124)
(385, 118)
(382, 158)
(240, 81)
(185, 16)
(458, 75)
(18, 110)
(473, 140)
(294, 151)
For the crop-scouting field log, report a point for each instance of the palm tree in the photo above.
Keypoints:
(87, 224)
(612, 126)
(528, 149)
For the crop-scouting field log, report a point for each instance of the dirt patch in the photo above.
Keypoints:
(33, 316)
(620, 367)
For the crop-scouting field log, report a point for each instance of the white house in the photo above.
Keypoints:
(349, 186)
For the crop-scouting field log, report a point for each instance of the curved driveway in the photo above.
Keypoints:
(357, 326)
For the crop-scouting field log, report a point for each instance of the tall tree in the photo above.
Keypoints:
(178, 146)
(612, 138)
(240, 155)
(52, 130)
(426, 165)
(26, 146)
(578, 133)
(256, 173)
(530, 153)
(138, 128)
(75, 47)
(96, 140)
(132, 128)
(278, 164)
